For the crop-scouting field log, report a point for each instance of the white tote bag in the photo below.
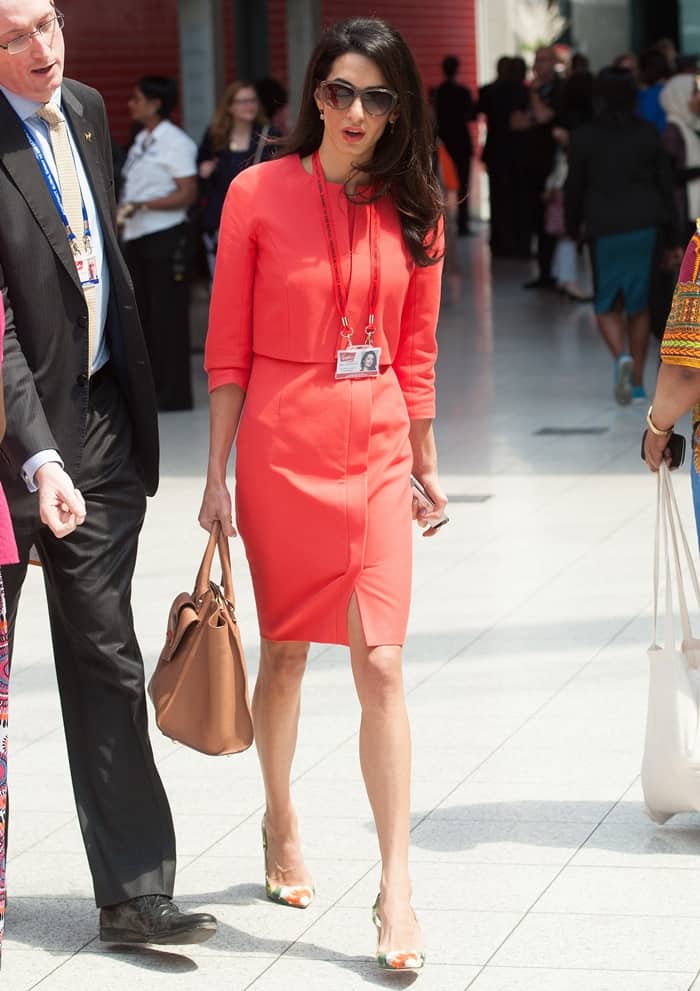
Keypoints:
(671, 764)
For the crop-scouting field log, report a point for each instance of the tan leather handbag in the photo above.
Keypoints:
(200, 685)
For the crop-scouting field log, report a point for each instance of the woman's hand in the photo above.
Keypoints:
(216, 505)
(424, 515)
(656, 450)
(206, 169)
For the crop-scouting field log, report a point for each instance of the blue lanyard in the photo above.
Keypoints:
(53, 187)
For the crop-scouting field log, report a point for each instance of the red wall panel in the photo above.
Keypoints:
(229, 50)
(432, 30)
(111, 45)
(277, 33)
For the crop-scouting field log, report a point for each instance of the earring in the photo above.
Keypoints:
(321, 115)
(391, 126)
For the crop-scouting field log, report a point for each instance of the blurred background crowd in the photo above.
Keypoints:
(593, 175)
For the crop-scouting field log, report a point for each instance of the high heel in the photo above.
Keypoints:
(294, 895)
(395, 959)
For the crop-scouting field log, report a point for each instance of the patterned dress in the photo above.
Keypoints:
(681, 343)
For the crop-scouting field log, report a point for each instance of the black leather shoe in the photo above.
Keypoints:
(154, 919)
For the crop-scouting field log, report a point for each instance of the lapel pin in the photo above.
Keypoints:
(88, 135)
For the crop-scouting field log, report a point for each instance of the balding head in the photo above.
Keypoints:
(37, 71)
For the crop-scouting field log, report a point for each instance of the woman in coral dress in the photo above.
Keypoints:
(320, 354)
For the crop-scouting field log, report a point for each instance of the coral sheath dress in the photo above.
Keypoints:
(323, 500)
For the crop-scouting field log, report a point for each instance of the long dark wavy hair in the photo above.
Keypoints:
(401, 166)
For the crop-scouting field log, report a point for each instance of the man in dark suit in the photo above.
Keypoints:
(502, 156)
(79, 457)
(454, 109)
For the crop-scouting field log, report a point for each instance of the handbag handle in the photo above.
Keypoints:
(670, 525)
(216, 541)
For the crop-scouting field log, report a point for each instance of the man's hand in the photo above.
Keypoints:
(61, 506)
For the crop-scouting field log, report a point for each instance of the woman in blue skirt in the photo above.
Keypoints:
(619, 193)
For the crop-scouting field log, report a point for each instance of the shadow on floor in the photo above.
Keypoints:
(69, 916)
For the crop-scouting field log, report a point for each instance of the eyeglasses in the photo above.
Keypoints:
(45, 29)
(376, 101)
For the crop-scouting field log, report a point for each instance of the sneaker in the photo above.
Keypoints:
(623, 379)
(639, 396)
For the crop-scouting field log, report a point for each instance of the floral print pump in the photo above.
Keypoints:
(294, 895)
(395, 959)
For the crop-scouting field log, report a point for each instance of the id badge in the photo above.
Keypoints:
(360, 361)
(87, 270)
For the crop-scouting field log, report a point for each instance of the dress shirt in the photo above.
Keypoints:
(155, 160)
(26, 110)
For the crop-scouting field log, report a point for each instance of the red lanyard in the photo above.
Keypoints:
(340, 289)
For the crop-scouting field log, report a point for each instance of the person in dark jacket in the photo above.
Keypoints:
(497, 101)
(78, 458)
(619, 191)
(237, 137)
(454, 109)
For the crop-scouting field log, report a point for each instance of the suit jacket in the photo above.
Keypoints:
(454, 108)
(497, 101)
(46, 339)
(619, 179)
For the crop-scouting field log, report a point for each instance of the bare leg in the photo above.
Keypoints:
(613, 326)
(385, 757)
(276, 702)
(639, 329)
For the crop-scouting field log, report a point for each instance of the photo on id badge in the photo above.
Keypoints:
(361, 361)
(87, 269)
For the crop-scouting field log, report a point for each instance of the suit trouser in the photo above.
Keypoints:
(122, 808)
(159, 265)
(502, 238)
(545, 242)
(461, 155)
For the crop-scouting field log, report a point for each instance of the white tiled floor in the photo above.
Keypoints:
(534, 866)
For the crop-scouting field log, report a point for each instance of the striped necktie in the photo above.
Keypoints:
(72, 204)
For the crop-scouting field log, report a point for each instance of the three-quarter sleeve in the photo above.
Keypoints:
(228, 352)
(414, 362)
(681, 340)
